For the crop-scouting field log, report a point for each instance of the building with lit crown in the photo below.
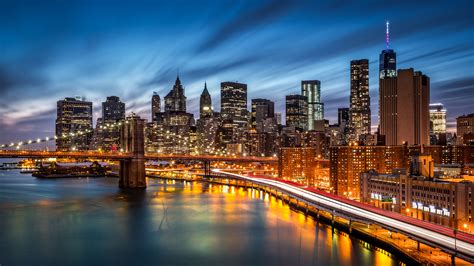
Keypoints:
(315, 108)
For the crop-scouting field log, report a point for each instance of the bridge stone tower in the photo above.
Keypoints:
(132, 171)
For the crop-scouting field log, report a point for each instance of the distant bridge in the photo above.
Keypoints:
(125, 156)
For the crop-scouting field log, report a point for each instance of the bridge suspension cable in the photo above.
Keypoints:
(18, 144)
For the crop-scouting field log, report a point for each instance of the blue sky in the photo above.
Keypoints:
(53, 49)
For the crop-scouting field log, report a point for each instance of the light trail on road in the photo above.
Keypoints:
(421, 229)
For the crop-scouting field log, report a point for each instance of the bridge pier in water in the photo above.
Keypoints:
(132, 171)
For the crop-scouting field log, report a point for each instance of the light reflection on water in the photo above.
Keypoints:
(80, 221)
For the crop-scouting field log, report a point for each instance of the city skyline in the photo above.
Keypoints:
(32, 81)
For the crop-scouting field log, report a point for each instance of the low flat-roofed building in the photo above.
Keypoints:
(444, 201)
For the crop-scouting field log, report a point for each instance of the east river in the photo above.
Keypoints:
(90, 221)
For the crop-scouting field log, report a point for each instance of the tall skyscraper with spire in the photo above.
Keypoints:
(359, 99)
(404, 101)
(388, 58)
(388, 92)
(205, 104)
(175, 99)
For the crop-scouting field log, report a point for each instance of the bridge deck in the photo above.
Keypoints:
(124, 155)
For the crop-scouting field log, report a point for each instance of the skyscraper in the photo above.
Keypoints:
(297, 111)
(73, 124)
(175, 99)
(388, 58)
(465, 129)
(359, 99)
(107, 134)
(205, 103)
(413, 119)
(388, 92)
(437, 118)
(234, 101)
(113, 109)
(261, 109)
(155, 105)
(312, 90)
(342, 116)
(404, 116)
(234, 107)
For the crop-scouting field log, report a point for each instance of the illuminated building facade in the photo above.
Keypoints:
(447, 202)
(304, 165)
(175, 101)
(261, 109)
(107, 132)
(315, 108)
(437, 118)
(465, 129)
(73, 124)
(234, 109)
(205, 104)
(359, 99)
(297, 111)
(388, 58)
(348, 162)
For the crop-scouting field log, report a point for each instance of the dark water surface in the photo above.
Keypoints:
(90, 221)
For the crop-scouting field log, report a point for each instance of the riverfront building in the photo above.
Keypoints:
(418, 194)
(73, 124)
(303, 165)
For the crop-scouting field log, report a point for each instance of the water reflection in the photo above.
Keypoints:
(78, 221)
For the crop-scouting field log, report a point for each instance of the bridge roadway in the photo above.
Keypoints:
(458, 243)
(125, 156)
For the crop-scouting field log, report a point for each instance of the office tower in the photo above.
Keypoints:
(175, 123)
(107, 132)
(208, 124)
(437, 118)
(297, 111)
(342, 116)
(413, 97)
(340, 132)
(205, 104)
(234, 101)
(278, 118)
(261, 109)
(155, 105)
(387, 91)
(312, 90)
(359, 99)
(388, 58)
(73, 124)
(465, 129)
(113, 109)
(438, 124)
(234, 108)
(175, 99)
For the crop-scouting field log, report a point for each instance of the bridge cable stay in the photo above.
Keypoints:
(18, 144)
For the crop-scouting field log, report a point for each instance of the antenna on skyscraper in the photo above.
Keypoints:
(387, 34)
